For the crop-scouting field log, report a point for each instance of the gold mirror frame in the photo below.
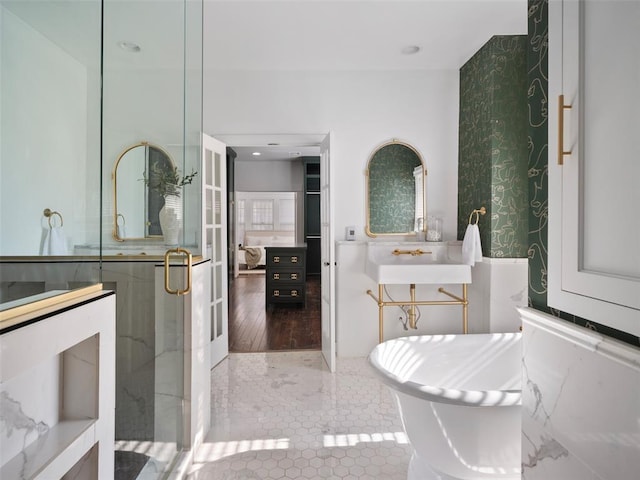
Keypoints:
(117, 215)
(404, 148)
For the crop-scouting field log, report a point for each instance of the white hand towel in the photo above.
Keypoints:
(471, 246)
(478, 249)
(55, 242)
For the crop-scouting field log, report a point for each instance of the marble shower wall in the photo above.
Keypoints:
(492, 165)
(133, 282)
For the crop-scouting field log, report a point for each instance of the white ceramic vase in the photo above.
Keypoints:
(170, 217)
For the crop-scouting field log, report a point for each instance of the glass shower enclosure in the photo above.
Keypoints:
(82, 81)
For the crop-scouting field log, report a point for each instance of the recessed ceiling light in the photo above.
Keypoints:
(294, 154)
(410, 49)
(129, 47)
(256, 154)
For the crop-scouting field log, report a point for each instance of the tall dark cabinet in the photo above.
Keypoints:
(312, 213)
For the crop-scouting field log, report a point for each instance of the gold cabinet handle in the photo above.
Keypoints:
(168, 254)
(561, 108)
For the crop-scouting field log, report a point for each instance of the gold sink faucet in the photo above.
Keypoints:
(413, 253)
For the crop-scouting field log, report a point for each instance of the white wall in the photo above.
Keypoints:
(268, 176)
(363, 109)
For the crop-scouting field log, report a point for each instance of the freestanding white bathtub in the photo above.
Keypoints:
(459, 399)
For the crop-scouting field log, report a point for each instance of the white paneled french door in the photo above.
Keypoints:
(214, 241)
(328, 256)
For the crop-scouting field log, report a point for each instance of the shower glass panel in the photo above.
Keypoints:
(50, 157)
(81, 81)
(152, 93)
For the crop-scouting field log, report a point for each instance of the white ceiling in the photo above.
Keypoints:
(347, 35)
(280, 35)
(353, 34)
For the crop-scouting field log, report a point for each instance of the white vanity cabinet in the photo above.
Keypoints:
(594, 161)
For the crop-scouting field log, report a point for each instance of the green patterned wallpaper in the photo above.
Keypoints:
(537, 47)
(492, 165)
(537, 67)
(392, 189)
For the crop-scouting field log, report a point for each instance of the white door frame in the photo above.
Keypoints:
(299, 140)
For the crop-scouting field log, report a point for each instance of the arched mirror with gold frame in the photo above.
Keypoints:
(135, 206)
(396, 196)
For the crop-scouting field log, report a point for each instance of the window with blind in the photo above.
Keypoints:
(265, 211)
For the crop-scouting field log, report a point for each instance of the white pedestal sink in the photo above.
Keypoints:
(412, 263)
(437, 265)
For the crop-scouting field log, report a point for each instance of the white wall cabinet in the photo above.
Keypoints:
(594, 232)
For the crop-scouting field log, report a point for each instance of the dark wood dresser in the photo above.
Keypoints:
(286, 275)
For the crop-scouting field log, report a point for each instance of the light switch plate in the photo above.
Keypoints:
(350, 233)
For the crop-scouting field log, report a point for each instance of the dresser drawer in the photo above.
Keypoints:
(285, 259)
(284, 293)
(278, 275)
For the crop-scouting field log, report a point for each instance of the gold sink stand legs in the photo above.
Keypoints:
(413, 303)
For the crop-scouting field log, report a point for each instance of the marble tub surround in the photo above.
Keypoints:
(581, 402)
(56, 393)
(499, 288)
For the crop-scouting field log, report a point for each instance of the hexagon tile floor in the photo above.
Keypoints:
(282, 415)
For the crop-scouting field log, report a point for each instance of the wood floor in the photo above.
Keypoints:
(254, 328)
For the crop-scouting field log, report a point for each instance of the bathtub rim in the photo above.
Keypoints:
(470, 398)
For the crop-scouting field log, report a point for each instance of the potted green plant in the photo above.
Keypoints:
(168, 183)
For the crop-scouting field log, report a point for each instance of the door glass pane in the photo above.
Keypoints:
(214, 323)
(209, 247)
(209, 207)
(218, 282)
(218, 208)
(216, 165)
(208, 168)
(219, 318)
(610, 151)
(218, 252)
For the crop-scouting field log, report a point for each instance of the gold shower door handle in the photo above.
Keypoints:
(561, 108)
(172, 253)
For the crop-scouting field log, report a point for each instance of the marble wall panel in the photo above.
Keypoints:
(580, 402)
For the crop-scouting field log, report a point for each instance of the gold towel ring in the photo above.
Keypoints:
(50, 213)
(478, 212)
